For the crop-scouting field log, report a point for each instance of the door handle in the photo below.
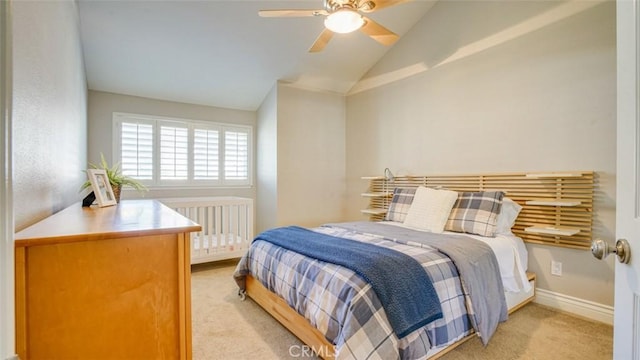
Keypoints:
(600, 249)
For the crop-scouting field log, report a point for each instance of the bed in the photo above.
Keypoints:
(330, 301)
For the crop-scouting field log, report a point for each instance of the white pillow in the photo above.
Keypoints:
(430, 209)
(507, 217)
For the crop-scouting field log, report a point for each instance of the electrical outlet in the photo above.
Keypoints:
(556, 268)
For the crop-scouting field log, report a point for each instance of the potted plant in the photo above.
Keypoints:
(116, 178)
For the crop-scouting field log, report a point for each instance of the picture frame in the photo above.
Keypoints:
(101, 187)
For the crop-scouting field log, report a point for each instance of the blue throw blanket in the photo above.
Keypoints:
(476, 263)
(397, 279)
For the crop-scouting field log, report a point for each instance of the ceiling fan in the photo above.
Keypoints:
(344, 16)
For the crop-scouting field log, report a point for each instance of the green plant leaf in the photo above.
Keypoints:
(116, 178)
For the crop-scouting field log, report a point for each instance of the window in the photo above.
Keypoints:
(174, 149)
(206, 154)
(235, 155)
(175, 152)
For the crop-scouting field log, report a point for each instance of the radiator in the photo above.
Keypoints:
(227, 226)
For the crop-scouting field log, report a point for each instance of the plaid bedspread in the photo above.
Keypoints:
(345, 308)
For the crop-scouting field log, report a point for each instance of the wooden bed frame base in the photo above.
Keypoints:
(301, 328)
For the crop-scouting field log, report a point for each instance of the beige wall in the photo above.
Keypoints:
(498, 86)
(311, 157)
(267, 162)
(301, 160)
(49, 109)
(102, 105)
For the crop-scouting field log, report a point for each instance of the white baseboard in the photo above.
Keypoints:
(585, 308)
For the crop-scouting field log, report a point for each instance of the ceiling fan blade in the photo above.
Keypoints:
(378, 32)
(291, 13)
(321, 41)
(375, 5)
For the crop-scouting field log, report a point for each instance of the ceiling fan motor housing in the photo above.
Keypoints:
(335, 5)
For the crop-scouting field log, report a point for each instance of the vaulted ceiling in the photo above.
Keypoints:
(221, 53)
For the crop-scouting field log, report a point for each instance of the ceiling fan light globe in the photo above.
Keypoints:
(344, 21)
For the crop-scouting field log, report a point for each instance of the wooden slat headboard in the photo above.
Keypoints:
(557, 207)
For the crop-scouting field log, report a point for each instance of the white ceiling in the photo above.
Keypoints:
(221, 53)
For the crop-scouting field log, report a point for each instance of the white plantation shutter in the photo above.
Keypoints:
(206, 154)
(136, 150)
(164, 151)
(174, 153)
(236, 155)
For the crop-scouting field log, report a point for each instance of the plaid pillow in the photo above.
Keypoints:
(400, 204)
(476, 213)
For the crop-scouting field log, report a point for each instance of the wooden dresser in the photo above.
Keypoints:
(105, 283)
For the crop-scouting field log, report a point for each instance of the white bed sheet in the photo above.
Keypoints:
(510, 252)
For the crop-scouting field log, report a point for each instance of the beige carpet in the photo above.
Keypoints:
(226, 328)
